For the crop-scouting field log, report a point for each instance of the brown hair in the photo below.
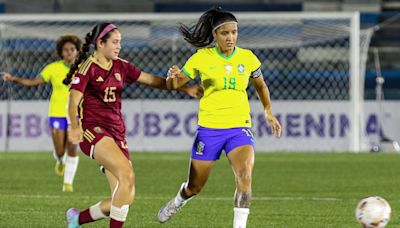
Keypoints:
(62, 40)
(90, 39)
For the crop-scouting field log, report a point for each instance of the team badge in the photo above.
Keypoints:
(240, 68)
(200, 148)
(117, 76)
(228, 68)
(75, 80)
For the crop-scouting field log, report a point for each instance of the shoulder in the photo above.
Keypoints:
(201, 54)
(54, 65)
(206, 51)
(122, 60)
(245, 52)
(85, 66)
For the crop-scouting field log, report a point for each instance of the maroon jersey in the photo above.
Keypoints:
(102, 87)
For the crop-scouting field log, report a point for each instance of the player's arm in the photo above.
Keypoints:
(177, 78)
(263, 94)
(160, 83)
(74, 130)
(152, 80)
(22, 81)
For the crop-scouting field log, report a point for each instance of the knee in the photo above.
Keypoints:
(126, 178)
(244, 177)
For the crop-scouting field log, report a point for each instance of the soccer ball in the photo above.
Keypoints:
(373, 212)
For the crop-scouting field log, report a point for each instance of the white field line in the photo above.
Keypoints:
(260, 198)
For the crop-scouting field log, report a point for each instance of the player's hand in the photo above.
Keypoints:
(75, 135)
(274, 123)
(173, 72)
(195, 91)
(6, 76)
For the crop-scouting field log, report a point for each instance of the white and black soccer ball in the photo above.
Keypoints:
(373, 212)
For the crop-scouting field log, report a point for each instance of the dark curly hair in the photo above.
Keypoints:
(69, 38)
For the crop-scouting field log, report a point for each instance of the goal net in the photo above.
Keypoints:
(310, 61)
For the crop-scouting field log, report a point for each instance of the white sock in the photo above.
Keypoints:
(71, 165)
(240, 217)
(96, 213)
(119, 214)
(179, 200)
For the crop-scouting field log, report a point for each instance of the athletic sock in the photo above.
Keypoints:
(240, 217)
(91, 214)
(118, 216)
(71, 165)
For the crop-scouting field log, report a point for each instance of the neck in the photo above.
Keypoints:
(68, 63)
(226, 52)
(102, 59)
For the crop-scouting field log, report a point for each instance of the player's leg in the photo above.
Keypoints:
(71, 166)
(205, 151)
(58, 135)
(109, 155)
(120, 175)
(199, 172)
(101, 209)
(240, 153)
(242, 162)
(71, 163)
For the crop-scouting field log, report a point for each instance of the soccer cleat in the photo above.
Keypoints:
(59, 169)
(72, 218)
(67, 188)
(166, 212)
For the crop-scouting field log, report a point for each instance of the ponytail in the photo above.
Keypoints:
(200, 35)
(83, 55)
(99, 32)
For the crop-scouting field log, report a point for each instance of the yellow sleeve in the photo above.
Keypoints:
(191, 66)
(255, 63)
(46, 73)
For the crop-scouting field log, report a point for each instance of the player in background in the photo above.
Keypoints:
(96, 88)
(224, 116)
(67, 47)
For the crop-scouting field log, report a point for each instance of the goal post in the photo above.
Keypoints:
(313, 63)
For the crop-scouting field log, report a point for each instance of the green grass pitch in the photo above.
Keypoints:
(290, 190)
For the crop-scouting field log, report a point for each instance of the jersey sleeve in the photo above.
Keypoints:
(255, 66)
(191, 66)
(46, 73)
(79, 82)
(132, 73)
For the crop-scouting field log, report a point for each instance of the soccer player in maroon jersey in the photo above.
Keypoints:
(96, 86)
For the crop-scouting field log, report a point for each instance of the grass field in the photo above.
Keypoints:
(290, 190)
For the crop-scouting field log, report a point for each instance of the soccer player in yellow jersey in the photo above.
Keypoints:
(224, 116)
(67, 47)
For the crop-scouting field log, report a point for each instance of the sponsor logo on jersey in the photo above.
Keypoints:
(99, 79)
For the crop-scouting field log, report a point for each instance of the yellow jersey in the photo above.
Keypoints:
(224, 78)
(55, 73)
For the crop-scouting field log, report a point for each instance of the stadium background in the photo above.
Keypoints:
(300, 189)
(309, 70)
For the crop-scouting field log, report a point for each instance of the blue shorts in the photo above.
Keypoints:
(58, 123)
(210, 142)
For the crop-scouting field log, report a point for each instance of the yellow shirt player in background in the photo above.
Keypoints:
(224, 116)
(67, 47)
